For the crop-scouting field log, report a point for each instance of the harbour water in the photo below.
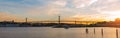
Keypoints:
(48, 32)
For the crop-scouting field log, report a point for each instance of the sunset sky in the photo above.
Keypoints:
(37, 10)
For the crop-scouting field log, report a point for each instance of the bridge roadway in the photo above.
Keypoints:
(86, 22)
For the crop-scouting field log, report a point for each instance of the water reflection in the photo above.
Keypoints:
(48, 32)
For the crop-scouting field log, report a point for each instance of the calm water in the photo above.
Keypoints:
(48, 32)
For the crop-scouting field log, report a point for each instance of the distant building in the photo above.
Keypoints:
(12, 25)
(9, 24)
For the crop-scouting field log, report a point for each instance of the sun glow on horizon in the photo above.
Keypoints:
(112, 15)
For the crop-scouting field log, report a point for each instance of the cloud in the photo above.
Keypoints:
(106, 5)
(82, 3)
(66, 8)
(52, 8)
(60, 3)
(59, 7)
(47, 10)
